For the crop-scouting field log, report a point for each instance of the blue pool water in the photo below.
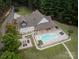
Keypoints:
(49, 36)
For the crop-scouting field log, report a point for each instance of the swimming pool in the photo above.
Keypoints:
(49, 36)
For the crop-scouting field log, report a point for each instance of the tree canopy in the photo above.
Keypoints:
(4, 5)
(11, 28)
(11, 38)
(11, 42)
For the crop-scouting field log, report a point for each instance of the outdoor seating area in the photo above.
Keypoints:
(25, 42)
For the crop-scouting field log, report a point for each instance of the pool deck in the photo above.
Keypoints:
(48, 44)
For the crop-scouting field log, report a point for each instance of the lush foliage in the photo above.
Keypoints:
(11, 43)
(10, 39)
(10, 55)
(20, 2)
(4, 5)
(12, 29)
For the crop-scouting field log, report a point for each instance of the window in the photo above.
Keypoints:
(23, 24)
(56, 27)
(24, 45)
(28, 41)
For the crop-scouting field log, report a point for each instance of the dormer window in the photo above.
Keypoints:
(23, 24)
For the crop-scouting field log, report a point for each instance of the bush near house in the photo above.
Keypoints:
(10, 38)
(40, 42)
(11, 43)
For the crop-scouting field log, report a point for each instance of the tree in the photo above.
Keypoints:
(11, 42)
(20, 2)
(11, 28)
(11, 38)
(4, 5)
(10, 55)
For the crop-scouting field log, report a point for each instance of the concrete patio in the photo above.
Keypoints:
(25, 42)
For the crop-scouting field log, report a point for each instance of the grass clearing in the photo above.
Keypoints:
(24, 10)
(73, 44)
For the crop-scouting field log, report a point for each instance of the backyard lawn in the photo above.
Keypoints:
(23, 10)
(56, 52)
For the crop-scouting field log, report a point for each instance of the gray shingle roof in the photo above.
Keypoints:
(34, 19)
(45, 25)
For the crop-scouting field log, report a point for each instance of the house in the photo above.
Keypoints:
(41, 30)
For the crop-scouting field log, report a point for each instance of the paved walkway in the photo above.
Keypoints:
(68, 50)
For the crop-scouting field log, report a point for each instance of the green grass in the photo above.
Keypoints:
(23, 11)
(56, 52)
(72, 45)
